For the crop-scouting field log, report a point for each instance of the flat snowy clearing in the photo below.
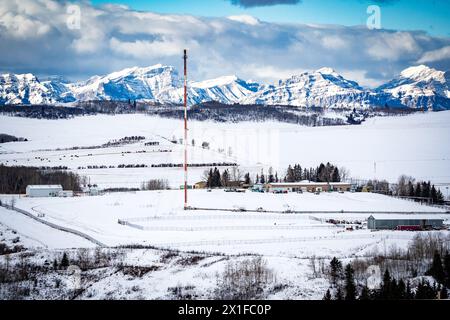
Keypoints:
(383, 147)
(157, 218)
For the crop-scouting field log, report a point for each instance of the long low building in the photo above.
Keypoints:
(309, 186)
(402, 223)
(40, 190)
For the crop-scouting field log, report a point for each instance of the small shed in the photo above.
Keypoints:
(43, 190)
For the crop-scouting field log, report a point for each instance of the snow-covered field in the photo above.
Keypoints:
(382, 148)
(157, 218)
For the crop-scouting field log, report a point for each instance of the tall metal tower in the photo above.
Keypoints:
(185, 132)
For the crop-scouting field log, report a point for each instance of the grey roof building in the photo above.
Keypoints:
(394, 222)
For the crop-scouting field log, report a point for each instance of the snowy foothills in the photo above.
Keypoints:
(311, 187)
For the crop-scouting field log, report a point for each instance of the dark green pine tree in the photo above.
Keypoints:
(247, 178)
(55, 264)
(327, 295)
(350, 287)
(64, 261)
(335, 177)
(385, 290)
(436, 270)
(338, 295)
(365, 294)
(433, 194)
(335, 270)
(401, 290)
(447, 269)
(443, 293)
(409, 295)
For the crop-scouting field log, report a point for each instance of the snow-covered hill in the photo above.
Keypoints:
(416, 87)
(323, 87)
(420, 87)
(26, 89)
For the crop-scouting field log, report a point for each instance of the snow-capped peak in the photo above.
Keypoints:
(421, 72)
(216, 82)
(326, 70)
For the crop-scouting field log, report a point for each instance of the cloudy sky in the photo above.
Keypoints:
(263, 40)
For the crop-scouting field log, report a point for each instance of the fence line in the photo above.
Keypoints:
(54, 226)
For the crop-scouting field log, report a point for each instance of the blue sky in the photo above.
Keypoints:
(432, 16)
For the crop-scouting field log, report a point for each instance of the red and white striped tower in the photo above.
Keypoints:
(185, 132)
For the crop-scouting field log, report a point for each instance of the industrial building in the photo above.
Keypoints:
(34, 191)
(309, 186)
(401, 223)
(43, 190)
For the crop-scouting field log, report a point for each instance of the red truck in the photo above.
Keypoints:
(409, 228)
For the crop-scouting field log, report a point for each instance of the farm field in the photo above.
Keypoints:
(420, 147)
(157, 218)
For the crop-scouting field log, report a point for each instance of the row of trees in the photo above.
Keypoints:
(322, 173)
(15, 179)
(344, 287)
(407, 187)
(215, 179)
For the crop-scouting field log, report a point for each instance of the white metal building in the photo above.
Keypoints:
(44, 190)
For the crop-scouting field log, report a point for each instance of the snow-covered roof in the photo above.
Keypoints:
(407, 216)
(275, 184)
(45, 186)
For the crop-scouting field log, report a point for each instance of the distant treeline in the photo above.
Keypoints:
(216, 111)
(14, 180)
(8, 138)
(237, 113)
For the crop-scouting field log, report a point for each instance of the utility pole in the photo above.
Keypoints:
(185, 132)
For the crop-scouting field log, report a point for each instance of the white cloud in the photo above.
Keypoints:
(435, 55)
(113, 37)
(245, 19)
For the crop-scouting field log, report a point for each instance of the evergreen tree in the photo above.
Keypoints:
(64, 261)
(327, 295)
(225, 178)
(444, 293)
(209, 182)
(335, 270)
(55, 264)
(436, 270)
(216, 178)
(350, 287)
(401, 289)
(433, 194)
(365, 294)
(385, 290)
(338, 295)
(247, 178)
(290, 174)
(418, 190)
(262, 178)
(447, 269)
(335, 177)
(425, 291)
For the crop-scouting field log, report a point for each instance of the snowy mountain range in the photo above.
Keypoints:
(416, 87)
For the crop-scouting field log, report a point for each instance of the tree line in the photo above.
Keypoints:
(407, 187)
(14, 180)
(323, 173)
(344, 286)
